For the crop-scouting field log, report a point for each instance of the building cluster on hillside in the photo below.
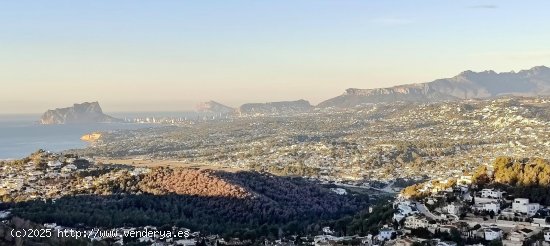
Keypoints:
(474, 216)
(52, 176)
(31, 179)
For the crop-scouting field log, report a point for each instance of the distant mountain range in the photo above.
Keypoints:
(466, 85)
(297, 106)
(88, 112)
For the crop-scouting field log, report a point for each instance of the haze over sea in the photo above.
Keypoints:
(21, 135)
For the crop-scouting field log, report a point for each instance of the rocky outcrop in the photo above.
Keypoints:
(214, 107)
(79, 113)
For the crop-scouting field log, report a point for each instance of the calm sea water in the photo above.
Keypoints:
(21, 135)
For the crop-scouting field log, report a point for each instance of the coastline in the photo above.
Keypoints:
(22, 137)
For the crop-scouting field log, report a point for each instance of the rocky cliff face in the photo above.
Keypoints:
(78, 113)
(275, 107)
(468, 84)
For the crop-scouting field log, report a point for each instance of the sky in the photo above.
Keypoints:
(163, 55)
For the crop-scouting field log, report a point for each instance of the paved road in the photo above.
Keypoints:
(389, 187)
(363, 187)
(425, 211)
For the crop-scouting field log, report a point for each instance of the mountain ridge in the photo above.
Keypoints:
(466, 85)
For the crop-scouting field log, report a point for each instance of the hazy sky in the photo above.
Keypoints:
(168, 55)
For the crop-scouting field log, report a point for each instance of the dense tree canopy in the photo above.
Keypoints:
(245, 204)
(526, 177)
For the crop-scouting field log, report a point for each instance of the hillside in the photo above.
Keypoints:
(202, 200)
(466, 85)
(275, 107)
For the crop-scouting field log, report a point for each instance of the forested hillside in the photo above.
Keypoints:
(245, 204)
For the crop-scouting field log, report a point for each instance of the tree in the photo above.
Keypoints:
(480, 176)
(495, 243)
(492, 214)
(455, 236)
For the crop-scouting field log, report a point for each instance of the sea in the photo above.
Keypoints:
(21, 135)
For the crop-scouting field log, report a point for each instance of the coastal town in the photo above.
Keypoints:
(371, 143)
